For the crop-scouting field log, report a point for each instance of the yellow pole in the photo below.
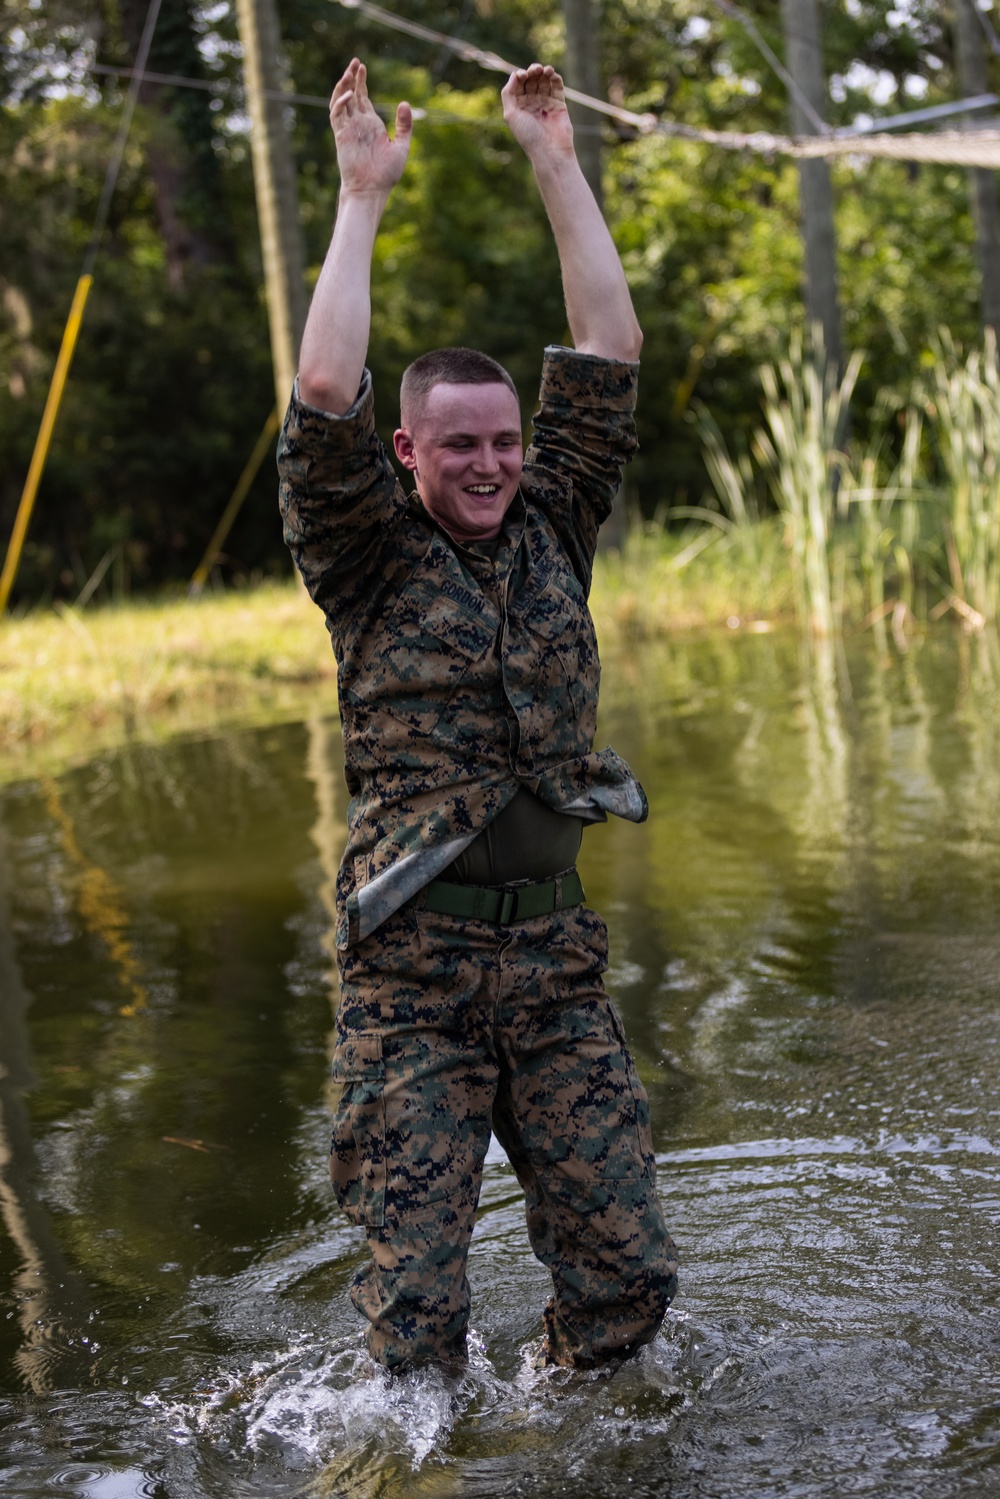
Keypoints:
(239, 494)
(43, 439)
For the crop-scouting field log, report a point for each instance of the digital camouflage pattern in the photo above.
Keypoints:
(460, 677)
(463, 678)
(447, 1028)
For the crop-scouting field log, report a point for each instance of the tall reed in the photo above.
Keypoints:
(964, 407)
(880, 497)
(851, 512)
(805, 412)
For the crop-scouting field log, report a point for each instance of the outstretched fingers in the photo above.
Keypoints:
(369, 162)
(350, 93)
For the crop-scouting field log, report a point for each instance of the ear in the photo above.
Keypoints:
(405, 452)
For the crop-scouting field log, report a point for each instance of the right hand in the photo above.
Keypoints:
(534, 106)
(369, 162)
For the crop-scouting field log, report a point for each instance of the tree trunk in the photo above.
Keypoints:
(582, 70)
(972, 79)
(179, 153)
(804, 60)
(277, 194)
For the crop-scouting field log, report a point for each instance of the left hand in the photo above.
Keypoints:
(534, 106)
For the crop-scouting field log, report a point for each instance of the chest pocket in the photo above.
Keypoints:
(555, 647)
(438, 641)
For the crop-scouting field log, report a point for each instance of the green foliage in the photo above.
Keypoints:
(711, 247)
(907, 261)
(171, 384)
(167, 385)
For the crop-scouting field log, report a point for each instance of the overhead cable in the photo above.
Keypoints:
(968, 148)
(992, 40)
(124, 125)
(219, 86)
(775, 64)
(965, 148)
(438, 116)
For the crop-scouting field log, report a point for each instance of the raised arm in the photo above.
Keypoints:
(598, 303)
(335, 341)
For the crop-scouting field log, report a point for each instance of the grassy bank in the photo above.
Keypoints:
(806, 524)
(661, 582)
(74, 681)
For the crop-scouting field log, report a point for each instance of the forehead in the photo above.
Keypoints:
(449, 408)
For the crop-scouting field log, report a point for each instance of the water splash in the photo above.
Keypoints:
(319, 1405)
(347, 1426)
(312, 1403)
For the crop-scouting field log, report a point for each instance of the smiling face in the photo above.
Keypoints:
(464, 450)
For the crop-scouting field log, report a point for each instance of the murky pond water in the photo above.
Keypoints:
(807, 951)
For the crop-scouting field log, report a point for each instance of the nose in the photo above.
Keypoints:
(485, 460)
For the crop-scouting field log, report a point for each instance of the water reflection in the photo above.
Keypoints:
(41, 1284)
(101, 903)
(805, 946)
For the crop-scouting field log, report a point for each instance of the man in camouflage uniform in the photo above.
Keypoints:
(471, 992)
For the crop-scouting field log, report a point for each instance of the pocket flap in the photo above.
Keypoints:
(359, 1056)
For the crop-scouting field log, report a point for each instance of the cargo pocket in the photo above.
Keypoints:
(357, 1150)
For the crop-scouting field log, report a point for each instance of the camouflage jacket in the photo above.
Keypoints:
(460, 677)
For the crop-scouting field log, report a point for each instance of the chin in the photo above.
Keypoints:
(487, 525)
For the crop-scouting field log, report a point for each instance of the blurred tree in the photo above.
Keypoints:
(807, 110)
(169, 386)
(171, 381)
(973, 79)
(275, 188)
(582, 71)
(180, 156)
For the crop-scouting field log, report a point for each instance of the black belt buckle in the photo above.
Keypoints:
(508, 906)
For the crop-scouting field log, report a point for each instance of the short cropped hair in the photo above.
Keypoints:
(456, 366)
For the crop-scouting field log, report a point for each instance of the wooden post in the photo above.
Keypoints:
(582, 70)
(277, 196)
(804, 61)
(972, 79)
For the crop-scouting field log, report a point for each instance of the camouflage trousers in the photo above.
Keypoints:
(447, 1028)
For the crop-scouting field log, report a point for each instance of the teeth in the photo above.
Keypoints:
(482, 488)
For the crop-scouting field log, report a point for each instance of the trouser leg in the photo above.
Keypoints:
(574, 1119)
(415, 1056)
(443, 1026)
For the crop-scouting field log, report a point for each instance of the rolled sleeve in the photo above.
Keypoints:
(583, 435)
(337, 492)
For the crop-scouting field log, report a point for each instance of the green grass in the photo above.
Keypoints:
(75, 681)
(663, 581)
